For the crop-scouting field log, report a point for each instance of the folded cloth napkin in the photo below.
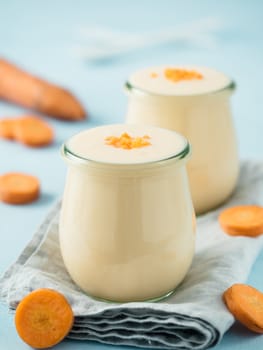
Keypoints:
(194, 317)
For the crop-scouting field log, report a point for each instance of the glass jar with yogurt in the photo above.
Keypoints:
(195, 102)
(127, 224)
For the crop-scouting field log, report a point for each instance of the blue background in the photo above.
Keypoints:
(41, 35)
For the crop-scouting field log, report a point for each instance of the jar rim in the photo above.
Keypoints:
(68, 154)
(131, 88)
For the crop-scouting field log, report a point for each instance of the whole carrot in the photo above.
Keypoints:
(25, 89)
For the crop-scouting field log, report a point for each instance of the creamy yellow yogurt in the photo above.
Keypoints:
(194, 102)
(155, 80)
(127, 222)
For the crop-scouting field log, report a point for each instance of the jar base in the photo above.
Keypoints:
(150, 300)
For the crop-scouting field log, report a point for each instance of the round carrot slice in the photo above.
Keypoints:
(7, 128)
(246, 220)
(43, 318)
(246, 305)
(17, 188)
(33, 131)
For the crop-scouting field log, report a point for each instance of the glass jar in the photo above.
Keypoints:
(127, 230)
(205, 119)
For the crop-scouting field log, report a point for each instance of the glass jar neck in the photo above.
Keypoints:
(178, 159)
(131, 89)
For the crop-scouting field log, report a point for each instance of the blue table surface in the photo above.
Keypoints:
(41, 36)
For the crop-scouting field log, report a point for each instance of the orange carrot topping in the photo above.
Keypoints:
(153, 75)
(33, 131)
(246, 305)
(245, 220)
(43, 318)
(176, 75)
(7, 128)
(17, 188)
(25, 89)
(126, 141)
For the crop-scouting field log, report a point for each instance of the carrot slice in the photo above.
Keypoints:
(17, 188)
(246, 220)
(33, 131)
(246, 304)
(43, 318)
(7, 128)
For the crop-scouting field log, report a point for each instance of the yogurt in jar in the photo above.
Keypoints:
(127, 222)
(195, 102)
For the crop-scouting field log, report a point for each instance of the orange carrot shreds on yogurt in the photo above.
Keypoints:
(153, 75)
(126, 141)
(175, 74)
(246, 305)
(243, 220)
